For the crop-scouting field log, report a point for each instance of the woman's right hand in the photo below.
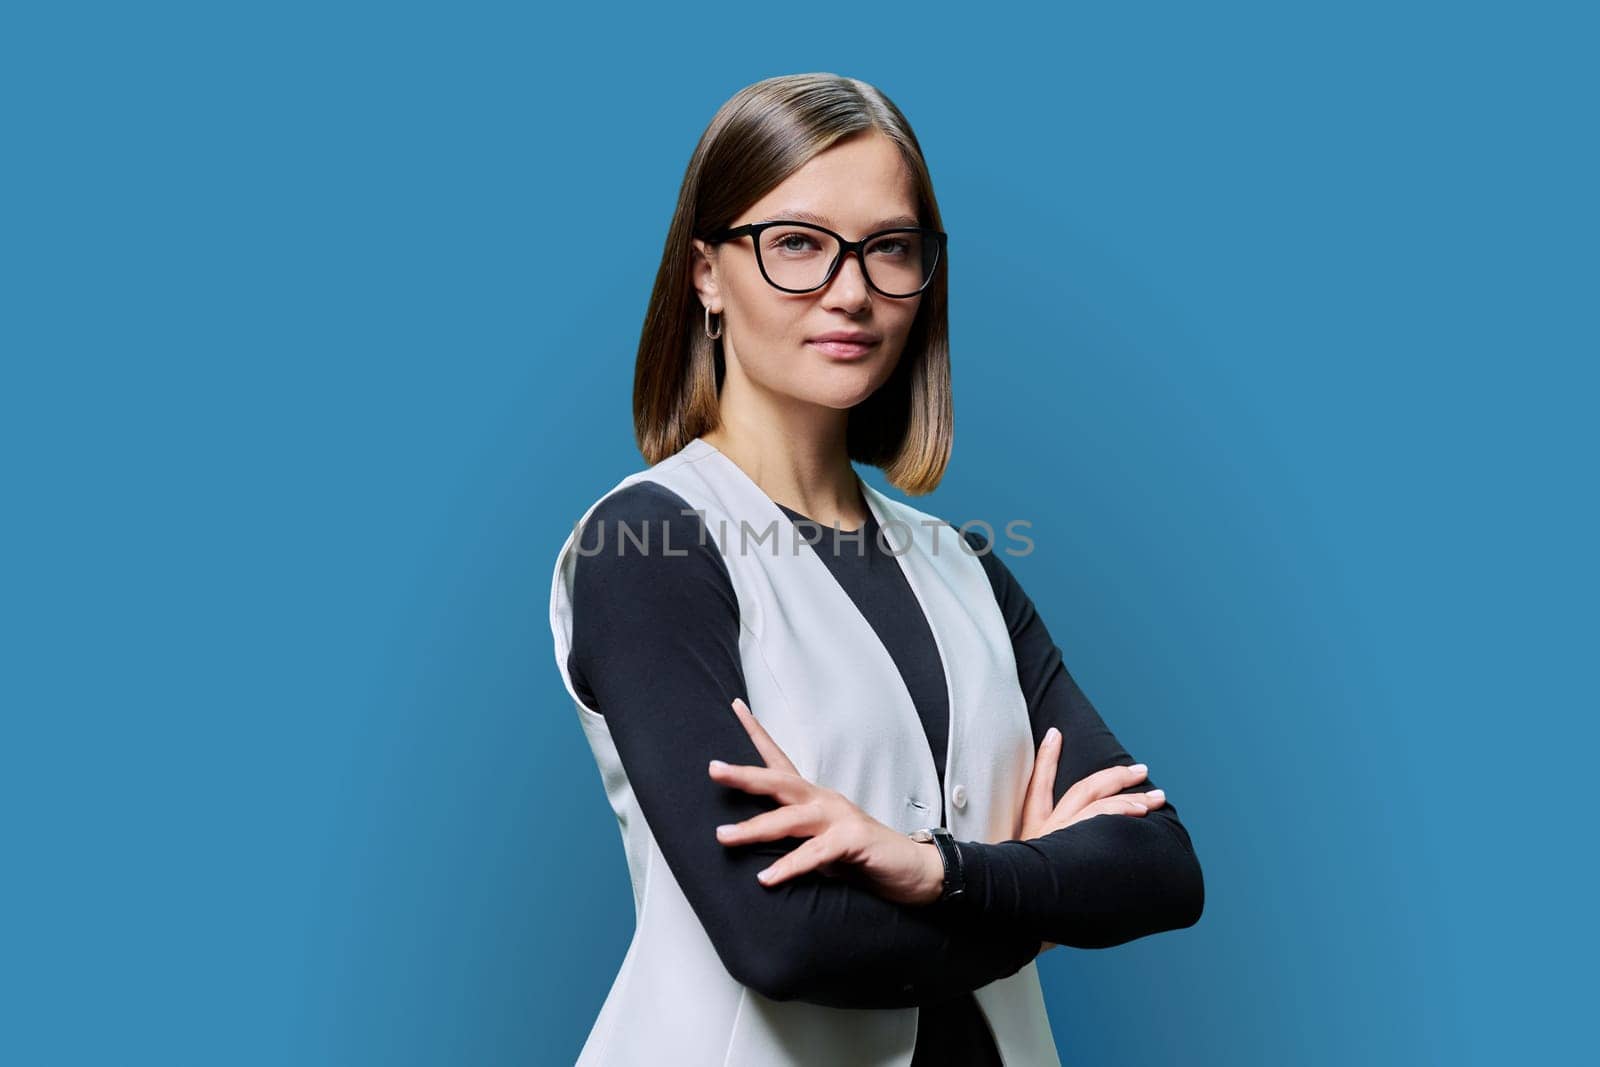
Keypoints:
(1099, 793)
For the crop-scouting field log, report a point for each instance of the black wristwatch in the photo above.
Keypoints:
(954, 874)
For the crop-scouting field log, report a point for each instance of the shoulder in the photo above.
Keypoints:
(644, 539)
(896, 510)
(643, 500)
(647, 589)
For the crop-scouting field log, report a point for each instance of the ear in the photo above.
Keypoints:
(704, 272)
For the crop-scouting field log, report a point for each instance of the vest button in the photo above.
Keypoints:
(959, 796)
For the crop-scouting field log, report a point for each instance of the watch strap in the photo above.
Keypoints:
(950, 854)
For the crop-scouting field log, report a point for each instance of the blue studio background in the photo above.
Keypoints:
(318, 329)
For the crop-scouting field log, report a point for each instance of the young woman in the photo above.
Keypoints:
(858, 789)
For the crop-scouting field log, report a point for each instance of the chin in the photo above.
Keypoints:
(842, 398)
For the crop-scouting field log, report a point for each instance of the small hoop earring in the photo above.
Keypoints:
(709, 334)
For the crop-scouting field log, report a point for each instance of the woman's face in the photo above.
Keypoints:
(855, 187)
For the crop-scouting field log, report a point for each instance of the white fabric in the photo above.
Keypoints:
(823, 685)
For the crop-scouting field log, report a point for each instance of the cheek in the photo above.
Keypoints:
(761, 310)
(902, 324)
(771, 324)
(769, 335)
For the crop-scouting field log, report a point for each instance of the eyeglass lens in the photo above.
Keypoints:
(798, 257)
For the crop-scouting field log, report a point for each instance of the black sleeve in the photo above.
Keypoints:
(656, 647)
(1104, 880)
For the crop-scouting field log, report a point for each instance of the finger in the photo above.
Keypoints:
(786, 787)
(1131, 804)
(812, 855)
(770, 752)
(1135, 803)
(1105, 783)
(1040, 797)
(793, 820)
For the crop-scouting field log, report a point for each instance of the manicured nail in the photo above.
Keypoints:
(1141, 809)
(725, 828)
(1052, 735)
(1138, 768)
(717, 765)
(765, 875)
(1157, 794)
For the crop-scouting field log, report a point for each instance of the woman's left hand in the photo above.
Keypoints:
(843, 838)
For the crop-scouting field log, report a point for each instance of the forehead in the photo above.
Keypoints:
(856, 186)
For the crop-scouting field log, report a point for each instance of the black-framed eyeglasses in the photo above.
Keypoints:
(801, 257)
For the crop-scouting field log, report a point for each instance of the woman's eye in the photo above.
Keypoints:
(891, 248)
(794, 242)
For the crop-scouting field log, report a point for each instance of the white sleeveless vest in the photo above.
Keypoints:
(823, 685)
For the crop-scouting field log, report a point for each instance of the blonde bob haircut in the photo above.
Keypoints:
(764, 133)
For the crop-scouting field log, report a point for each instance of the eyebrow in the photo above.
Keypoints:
(799, 215)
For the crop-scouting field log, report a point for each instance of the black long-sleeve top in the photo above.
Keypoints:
(655, 650)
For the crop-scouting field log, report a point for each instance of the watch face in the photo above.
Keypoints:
(922, 835)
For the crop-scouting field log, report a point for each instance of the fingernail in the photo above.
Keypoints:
(1141, 809)
(725, 828)
(717, 765)
(1138, 768)
(766, 874)
(1157, 794)
(1052, 735)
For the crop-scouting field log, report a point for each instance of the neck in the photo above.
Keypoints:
(800, 462)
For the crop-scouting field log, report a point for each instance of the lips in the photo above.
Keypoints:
(845, 344)
(843, 349)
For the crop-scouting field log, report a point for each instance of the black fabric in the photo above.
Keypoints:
(655, 650)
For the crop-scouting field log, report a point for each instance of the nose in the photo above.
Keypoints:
(847, 289)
